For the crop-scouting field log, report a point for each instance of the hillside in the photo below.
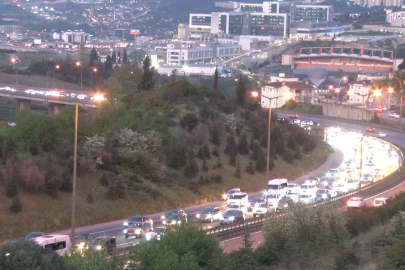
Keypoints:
(173, 147)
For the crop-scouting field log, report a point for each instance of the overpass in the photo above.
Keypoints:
(56, 99)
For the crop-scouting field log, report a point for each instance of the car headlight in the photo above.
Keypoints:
(179, 222)
(163, 217)
(137, 231)
(81, 245)
(231, 218)
(173, 222)
(125, 223)
(98, 247)
(324, 196)
(265, 193)
(148, 237)
(221, 218)
(198, 215)
(209, 216)
(224, 196)
(328, 175)
(164, 222)
(125, 231)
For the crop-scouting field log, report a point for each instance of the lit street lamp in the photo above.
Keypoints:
(390, 90)
(14, 61)
(286, 96)
(54, 75)
(97, 97)
(78, 64)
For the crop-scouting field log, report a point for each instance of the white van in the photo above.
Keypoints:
(240, 198)
(278, 186)
(57, 242)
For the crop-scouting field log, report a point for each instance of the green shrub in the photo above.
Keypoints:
(16, 206)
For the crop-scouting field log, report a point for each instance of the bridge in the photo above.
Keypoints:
(56, 99)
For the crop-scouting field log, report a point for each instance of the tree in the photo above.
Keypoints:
(214, 136)
(232, 158)
(250, 169)
(67, 183)
(16, 206)
(33, 146)
(93, 57)
(89, 197)
(204, 167)
(52, 182)
(113, 88)
(108, 63)
(200, 153)
(238, 174)
(11, 188)
(241, 91)
(243, 147)
(261, 162)
(216, 79)
(189, 121)
(184, 247)
(125, 57)
(206, 151)
(401, 66)
(9, 148)
(114, 58)
(231, 145)
(117, 191)
(26, 254)
(191, 169)
(119, 58)
(146, 83)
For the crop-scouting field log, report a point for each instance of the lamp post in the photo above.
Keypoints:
(14, 61)
(97, 97)
(286, 96)
(400, 124)
(91, 76)
(390, 90)
(54, 75)
(78, 64)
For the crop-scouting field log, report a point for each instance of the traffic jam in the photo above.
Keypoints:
(366, 160)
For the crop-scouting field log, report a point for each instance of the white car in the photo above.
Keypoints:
(379, 172)
(333, 173)
(230, 192)
(352, 184)
(260, 210)
(307, 189)
(382, 134)
(292, 188)
(236, 207)
(273, 199)
(379, 202)
(306, 198)
(293, 196)
(340, 188)
(394, 115)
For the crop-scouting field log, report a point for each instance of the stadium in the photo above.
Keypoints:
(346, 59)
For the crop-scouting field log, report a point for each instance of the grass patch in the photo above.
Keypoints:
(44, 213)
(27, 57)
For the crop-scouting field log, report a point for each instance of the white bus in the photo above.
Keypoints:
(57, 242)
(278, 186)
(238, 198)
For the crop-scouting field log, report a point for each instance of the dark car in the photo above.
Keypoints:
(253, 202)
(232, 216)
(82, 241)
(312, 180)
(370, 129)
(294, 116)
(172, 212)
(137, 219)
(138, 229)
(107, 243)
(209, 214)
(174, 219)
(393, 107)
(367, 177)
(322, 194)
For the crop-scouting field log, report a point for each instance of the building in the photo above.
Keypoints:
(362, 88)
(185, 53)
(10, 29)
(317, 29)
(183, 31)
(396, 18)
(240, 23)
(298, 91)
(72, 37)
(123, 33)
(313, 13)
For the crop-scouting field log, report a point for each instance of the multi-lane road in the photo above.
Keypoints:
(115, 228)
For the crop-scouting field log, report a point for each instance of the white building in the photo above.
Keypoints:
(183, 31)
(296, 89)
(185, 53)
(359, 88)
(72, 37)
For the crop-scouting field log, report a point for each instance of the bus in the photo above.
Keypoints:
(57, 242)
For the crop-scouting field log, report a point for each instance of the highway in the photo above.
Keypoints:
(115, 228)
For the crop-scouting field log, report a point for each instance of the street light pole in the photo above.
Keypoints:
(54, 75)
(74, 176)
(362, 135)
(255, 94)
(95, 70)
(14, 61)
(81, 75)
